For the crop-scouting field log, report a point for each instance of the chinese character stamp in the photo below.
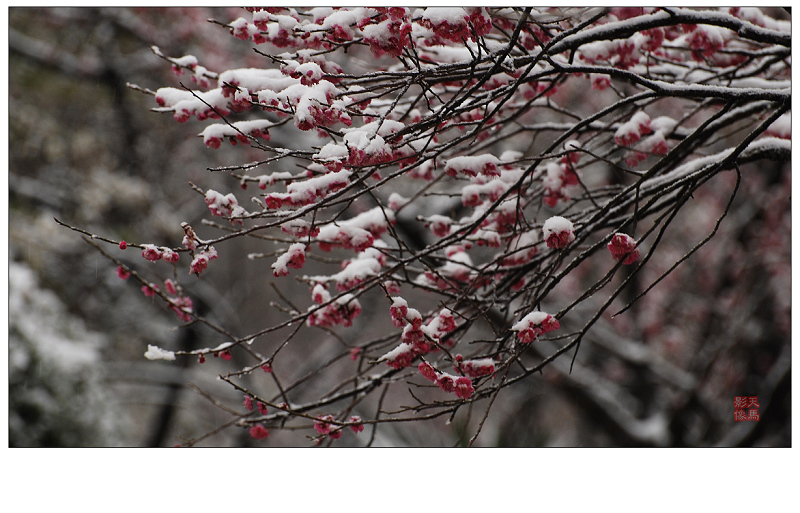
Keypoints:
(745, 408)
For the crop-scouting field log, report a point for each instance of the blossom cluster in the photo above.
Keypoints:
(340, 311)
(461, 386)
(534, 324)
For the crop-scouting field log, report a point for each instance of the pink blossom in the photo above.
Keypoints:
(259, 432)
(294, 257)
(262, 408)
(182, 306)
(464, 388)
(399, 311)
(170, 256)
(122, 273)
(151, 253)
(427, 370)
(558, 232)
(199, 264)
(401, 360)
(600, 82)
(623, 247)
(323, 425)
(534, 324)
(169, 285)
(149, 290)
(631, 131)
(705, 41)
(248, 402)
(446, 382)
(342, 311)
(475, 368)
(357, 427)
(123, 244)
(392, 287)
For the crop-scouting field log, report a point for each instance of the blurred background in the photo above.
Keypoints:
(86, 149)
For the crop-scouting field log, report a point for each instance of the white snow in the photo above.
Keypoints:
(532, 319)
(556, 224)
(451, 15)
(397, 351)
(156, 353)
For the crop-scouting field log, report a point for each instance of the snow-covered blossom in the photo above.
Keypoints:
(453, 23)
(400, 357)
(214, 134)
(623, 247)
(294, 257)
(632, 130)
(224, 205)
(170, 256)
(534, 324)
(387, 37)
(439, 225)
(558, 232)
(308, 191)
(182, 306)
(427, 370)
(473, 165)
(200, 262)
(357, 426)
(705, 41)
(522, 248)
(464, 388)
(357, 233)
(151, 252)
(342, 311)
(398, 311)
(323, 425)
(447, 382)
(358, 270)
(475, 368)
(300, 228)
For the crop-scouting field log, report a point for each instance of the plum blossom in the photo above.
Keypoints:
(200, 262)
(294, 257)
(474, 368)
(464, 388)
(259, 432)
(427, 370)
(623, 247)
(151, 252)
(357, 426)
(558, 232)
(323, 425)
(534, 324)
(122, 273)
